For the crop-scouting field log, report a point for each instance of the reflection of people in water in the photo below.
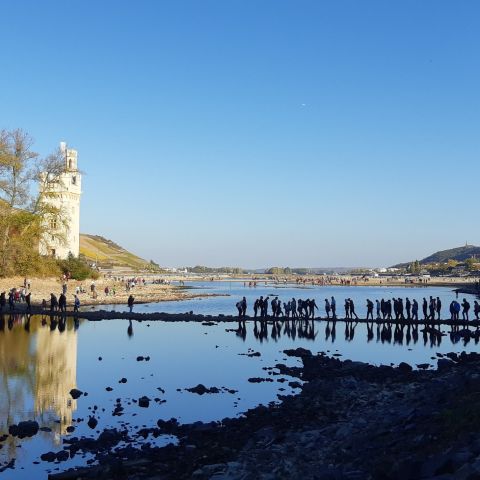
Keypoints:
(130, 329)
(242, 330)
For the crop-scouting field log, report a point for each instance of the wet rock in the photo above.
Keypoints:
(70, 429)
(28, 428)
(143, 402)
(48, 457)
(75, 393)
(405, 367)
(109, 389)
(452, 356)
(109, 437)
(62, 456)
(122, 380)
(443, 363)
(259, 380)
(92, 422)
(202, 389)
(295, 384)
(140, 358)
(423, 366)
(298, 352)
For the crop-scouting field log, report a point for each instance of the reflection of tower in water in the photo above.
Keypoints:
(56, 374)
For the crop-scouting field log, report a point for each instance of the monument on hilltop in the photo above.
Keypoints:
(65, 195)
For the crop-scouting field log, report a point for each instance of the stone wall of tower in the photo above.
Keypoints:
(67, 197)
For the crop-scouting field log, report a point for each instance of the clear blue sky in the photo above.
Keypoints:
(257, 133)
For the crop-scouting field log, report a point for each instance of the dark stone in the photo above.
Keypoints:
(405, 367)
(122, 380)
(92, 422)
(423, 366)
(62, 456)
(259, 380)
(143, 402)
(202, 389)
(48, 457)
(298, 352)
(28, 428)
(75, 393)
(443, 363)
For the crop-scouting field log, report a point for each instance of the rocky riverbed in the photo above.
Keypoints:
(350, 421)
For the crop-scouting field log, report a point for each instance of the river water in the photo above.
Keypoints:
(41, 362)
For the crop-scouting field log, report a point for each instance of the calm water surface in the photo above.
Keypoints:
(41, 362)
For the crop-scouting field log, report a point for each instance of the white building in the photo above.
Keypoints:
(67, 192)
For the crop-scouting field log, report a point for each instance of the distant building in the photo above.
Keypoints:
(67, 192)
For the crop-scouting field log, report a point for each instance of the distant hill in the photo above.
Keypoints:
(108, 254)
(460, 254)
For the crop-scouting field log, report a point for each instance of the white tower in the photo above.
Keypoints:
(67, 197)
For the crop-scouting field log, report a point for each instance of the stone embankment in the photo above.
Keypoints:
(351, 421)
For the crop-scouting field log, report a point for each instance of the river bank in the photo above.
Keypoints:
(350, 421)
(41, 288)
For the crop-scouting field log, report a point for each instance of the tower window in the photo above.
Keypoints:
(74, 180)
(69, 164)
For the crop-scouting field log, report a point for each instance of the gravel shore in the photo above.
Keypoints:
(351, 421)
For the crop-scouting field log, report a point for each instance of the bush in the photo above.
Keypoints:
(77, 268)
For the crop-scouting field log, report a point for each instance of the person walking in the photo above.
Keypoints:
(369, 309)
(76, 303)
(3, 301)
(425, 308)
(130, 302)
(28, 297)
(53, 302)
(255, 308)
(466, 308)
(408, 308)
(244, 307)
(476, 310)
(415, 310)
(333, 304)
(327, 308)
(438, 307)
(347, 309)
(352, 310)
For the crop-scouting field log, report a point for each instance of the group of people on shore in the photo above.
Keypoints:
(396, 309)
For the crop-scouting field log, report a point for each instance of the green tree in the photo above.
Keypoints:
(26, 215)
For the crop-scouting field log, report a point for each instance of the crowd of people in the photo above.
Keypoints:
(396, 309)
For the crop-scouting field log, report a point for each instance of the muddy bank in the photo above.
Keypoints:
(350, 421)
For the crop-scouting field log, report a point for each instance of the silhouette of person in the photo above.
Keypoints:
(415, 310)
(327, 308)
(438, 307)
(408, 308)
(352, 310)
(130, 302)
(333, 305)
(466, 308)
(369, 309)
